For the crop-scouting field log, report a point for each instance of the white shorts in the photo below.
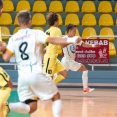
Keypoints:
(31, 85)
(70, 64)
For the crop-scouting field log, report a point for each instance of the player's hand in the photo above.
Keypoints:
(95, 45)
(2, 47)
(78, 39)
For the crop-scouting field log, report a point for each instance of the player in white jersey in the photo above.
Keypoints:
(69, 58)
(33, 82)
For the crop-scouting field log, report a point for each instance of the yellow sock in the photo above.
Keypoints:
(58, 78)
(4, 94)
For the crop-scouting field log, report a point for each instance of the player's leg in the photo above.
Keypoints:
(6, 86)
(57, 105)
(27, 107)
(28, 103)
(84, 71)
(45, 89)
(61, 72)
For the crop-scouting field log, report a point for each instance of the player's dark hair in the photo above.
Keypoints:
(52, 18)
(1, 4)
(24, 17)
(70, 27)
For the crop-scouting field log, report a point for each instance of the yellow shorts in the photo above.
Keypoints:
(4, 77)
(52, 65)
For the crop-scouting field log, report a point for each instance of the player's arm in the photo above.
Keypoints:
(79, 43)
(43, 38)
(89, 45)
(7, 51)
(2, 47)
(61, 41)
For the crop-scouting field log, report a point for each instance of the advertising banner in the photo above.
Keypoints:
(99, 55)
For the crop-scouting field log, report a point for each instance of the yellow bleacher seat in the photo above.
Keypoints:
(38, 19)
(112, 49)
(5, 31)
(116, 8)
(72, 19)
(16, 21)
(89, 31)
(38, 28)
(106, 20)
(89, 20)
(23, 5)
(60, 19)
(8, 6)
(39, 6)
(104, 7)
(88, 7)
(5, 19)
(107, 31)
(55, 6)
(77, 32)
(72, 7)
(16, 30)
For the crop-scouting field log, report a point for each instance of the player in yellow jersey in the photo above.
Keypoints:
(5, 83)
(51, 64)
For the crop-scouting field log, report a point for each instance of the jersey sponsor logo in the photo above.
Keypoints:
(25, 36)
(72, 48)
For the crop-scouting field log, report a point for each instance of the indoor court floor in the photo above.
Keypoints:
(100, 103)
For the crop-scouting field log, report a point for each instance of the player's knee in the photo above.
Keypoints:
(9, 84)
(83, 68)
(56, 97)
(33, 107)
(65, 74)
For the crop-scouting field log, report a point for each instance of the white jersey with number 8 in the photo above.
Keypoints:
(26, 50)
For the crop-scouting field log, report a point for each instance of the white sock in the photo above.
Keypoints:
(19, 107)
(85, 79)
(57, 108)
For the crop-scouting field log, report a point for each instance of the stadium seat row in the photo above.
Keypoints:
(38, 19)
(56, 6)
(86, 32)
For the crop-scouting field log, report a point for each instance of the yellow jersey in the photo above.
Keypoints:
(51, 49)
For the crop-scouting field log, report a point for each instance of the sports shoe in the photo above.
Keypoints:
(4, 110)
(87, 90)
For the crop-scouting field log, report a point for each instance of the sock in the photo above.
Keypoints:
(19, 107)
(85, 79)
(57, 108)
(4, 94)
(58, 78)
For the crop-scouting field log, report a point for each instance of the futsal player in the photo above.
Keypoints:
(69, 58)
(33, 81)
